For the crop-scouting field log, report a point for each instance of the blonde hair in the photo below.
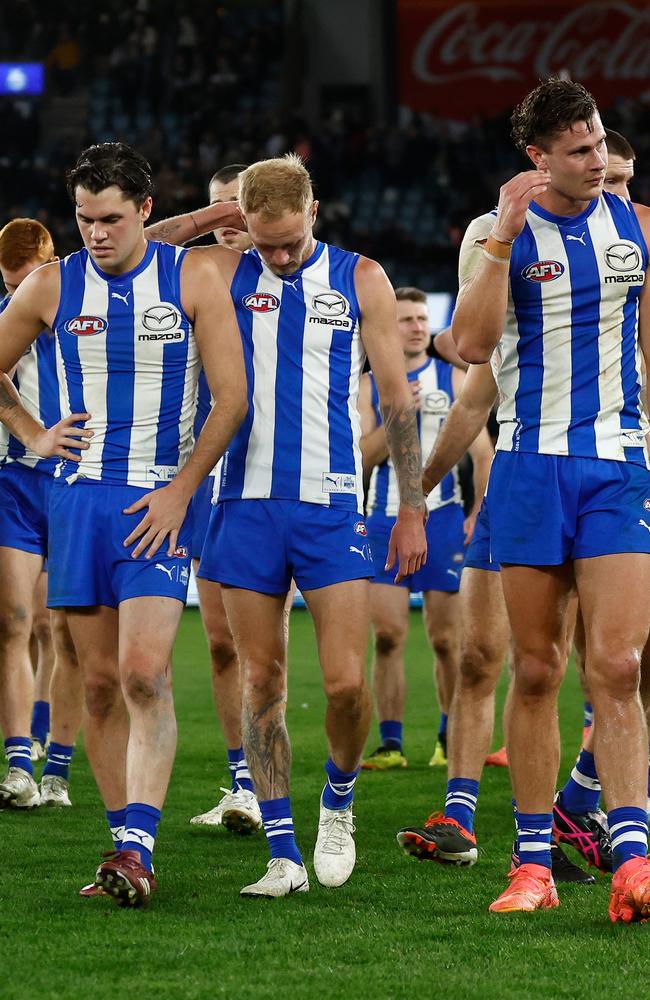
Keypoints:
(272, 187)
(23, 241)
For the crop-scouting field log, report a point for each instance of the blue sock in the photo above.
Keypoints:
(116, 819)
(628, 828)
(19, 753)
(390, 732)
(534, 838)
(278, 827)
(442, 728)
(339, 787)
(233, 760)
(41, 720)
(242, 774)
(588, 716)
(582, 791)
(141, 828)
(58, 760)
(460, 802)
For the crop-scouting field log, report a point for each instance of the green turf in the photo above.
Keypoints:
(399, 928)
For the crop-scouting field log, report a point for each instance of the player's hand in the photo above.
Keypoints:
(232, 219)
(165, 512)
(469, 525)
(57, 440)
(408, 544)
(416, 389)
(514, 198)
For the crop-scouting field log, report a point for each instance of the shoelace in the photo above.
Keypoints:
(340, 827)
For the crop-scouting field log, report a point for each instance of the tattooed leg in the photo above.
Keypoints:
(263, 661)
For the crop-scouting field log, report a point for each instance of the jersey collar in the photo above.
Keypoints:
(564, 220)
(128, 275)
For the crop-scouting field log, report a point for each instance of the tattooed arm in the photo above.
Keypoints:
(399, 413)
(33, 306)
(184, 228)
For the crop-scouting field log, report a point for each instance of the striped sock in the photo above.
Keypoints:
(233, 760)
(278, 827)
(116, 819)
(628, 828)
(19, 753)
(141, 828)
(339, 787)
(58, 760)
(390, 733)
(582, 791)
(588, 716)
(534, 838)
(40, 721)
(460, 801)
(242, 774)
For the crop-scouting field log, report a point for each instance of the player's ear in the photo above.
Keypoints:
(314, 210)
(146, 208)
(537, 155)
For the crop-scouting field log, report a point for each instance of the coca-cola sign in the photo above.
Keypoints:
(460, 59)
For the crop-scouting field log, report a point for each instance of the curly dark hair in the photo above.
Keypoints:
(553, 106)
(108, 164)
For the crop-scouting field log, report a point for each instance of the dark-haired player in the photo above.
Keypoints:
(134, 320)
(556, 288)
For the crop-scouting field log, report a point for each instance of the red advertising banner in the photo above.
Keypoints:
(479, 57)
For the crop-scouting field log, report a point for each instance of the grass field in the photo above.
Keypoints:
(399, 928)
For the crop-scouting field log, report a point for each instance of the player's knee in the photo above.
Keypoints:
(223, 654)
(263, 680)
(15, 624)
(102, 692)
(144, 688)
(443, 644)
(614, 671)
(346, 696)
(389, 639)
(480, 666)
(537, 674)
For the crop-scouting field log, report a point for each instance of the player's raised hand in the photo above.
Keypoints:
(514, 198)
(407, 546)
(165, 512)
(57, 440)
(416, 389)
(233, 219)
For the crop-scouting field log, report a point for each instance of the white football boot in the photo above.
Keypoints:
(19, 790)
(282, 877)
(335, 852)
(54, 791)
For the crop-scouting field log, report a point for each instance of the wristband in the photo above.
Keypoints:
(495, 260)
(500, 239)
(495, 248)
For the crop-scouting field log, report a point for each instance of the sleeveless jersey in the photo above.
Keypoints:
(437, 397)
(203, 407)
(567, 366)
(36, 380)
(304, 358)
(127, 355)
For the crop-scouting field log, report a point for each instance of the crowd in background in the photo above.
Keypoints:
(196, 86)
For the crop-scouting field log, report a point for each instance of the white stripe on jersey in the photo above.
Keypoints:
(147, 391)
(259, 468)
(93, 362)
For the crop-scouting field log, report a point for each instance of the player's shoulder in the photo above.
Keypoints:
(202, 263)
(479, 228)
(41, 283)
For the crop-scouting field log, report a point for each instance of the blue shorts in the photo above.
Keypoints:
(479, 555)
(24, 507)
(88, 564)
(261, 544)
(547, 509)
(201, 510)
(445, 556)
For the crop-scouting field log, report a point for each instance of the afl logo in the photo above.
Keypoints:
(623, 257)
(161, 318)
(261, 302)
(85, 326)
(646, 504)
(360, 529)
(543, 270)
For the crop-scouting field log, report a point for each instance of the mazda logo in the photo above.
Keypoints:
(623, 257)
(330, 304)
(161, 318)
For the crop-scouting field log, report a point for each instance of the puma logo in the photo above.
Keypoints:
(122, 298)
(644, 524)
(165, 570)
(577, 239)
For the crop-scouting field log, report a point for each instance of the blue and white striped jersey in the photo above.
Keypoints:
(437, 395)
(304, 358)
(203, 407)
(36, 380)
(567, 366)
(127, 355)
